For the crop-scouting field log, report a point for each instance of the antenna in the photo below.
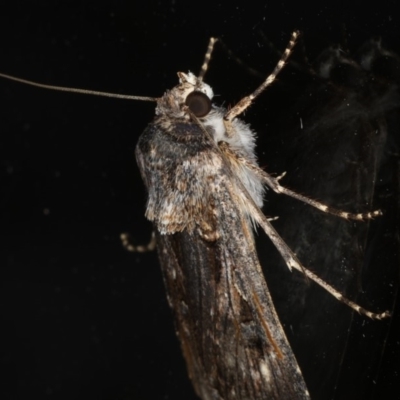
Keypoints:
(76, 90)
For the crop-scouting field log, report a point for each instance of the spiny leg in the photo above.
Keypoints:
(207, 58)
(293, 262)
(127, 242)
(274, 184)
(244, 103)
(305, 65)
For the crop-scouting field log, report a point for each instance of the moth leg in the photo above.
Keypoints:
(207, 58)
(305, 65)
(244, 103)
(293, 262)
(274, 184)
(282, 175)
(127, 242)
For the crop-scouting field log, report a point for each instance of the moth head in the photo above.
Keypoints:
(191, 93)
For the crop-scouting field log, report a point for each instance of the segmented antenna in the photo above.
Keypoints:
(76, 90)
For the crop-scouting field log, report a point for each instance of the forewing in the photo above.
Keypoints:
(231, 337)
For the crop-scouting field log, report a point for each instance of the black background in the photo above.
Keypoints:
(80, 318)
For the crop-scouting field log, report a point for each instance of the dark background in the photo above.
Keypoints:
(80, 318)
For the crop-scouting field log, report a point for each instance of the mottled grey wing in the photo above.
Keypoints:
(231, 337)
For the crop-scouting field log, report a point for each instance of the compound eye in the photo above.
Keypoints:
(199, 104)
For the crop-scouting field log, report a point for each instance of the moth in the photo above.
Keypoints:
(198, 163)
(205, 191)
